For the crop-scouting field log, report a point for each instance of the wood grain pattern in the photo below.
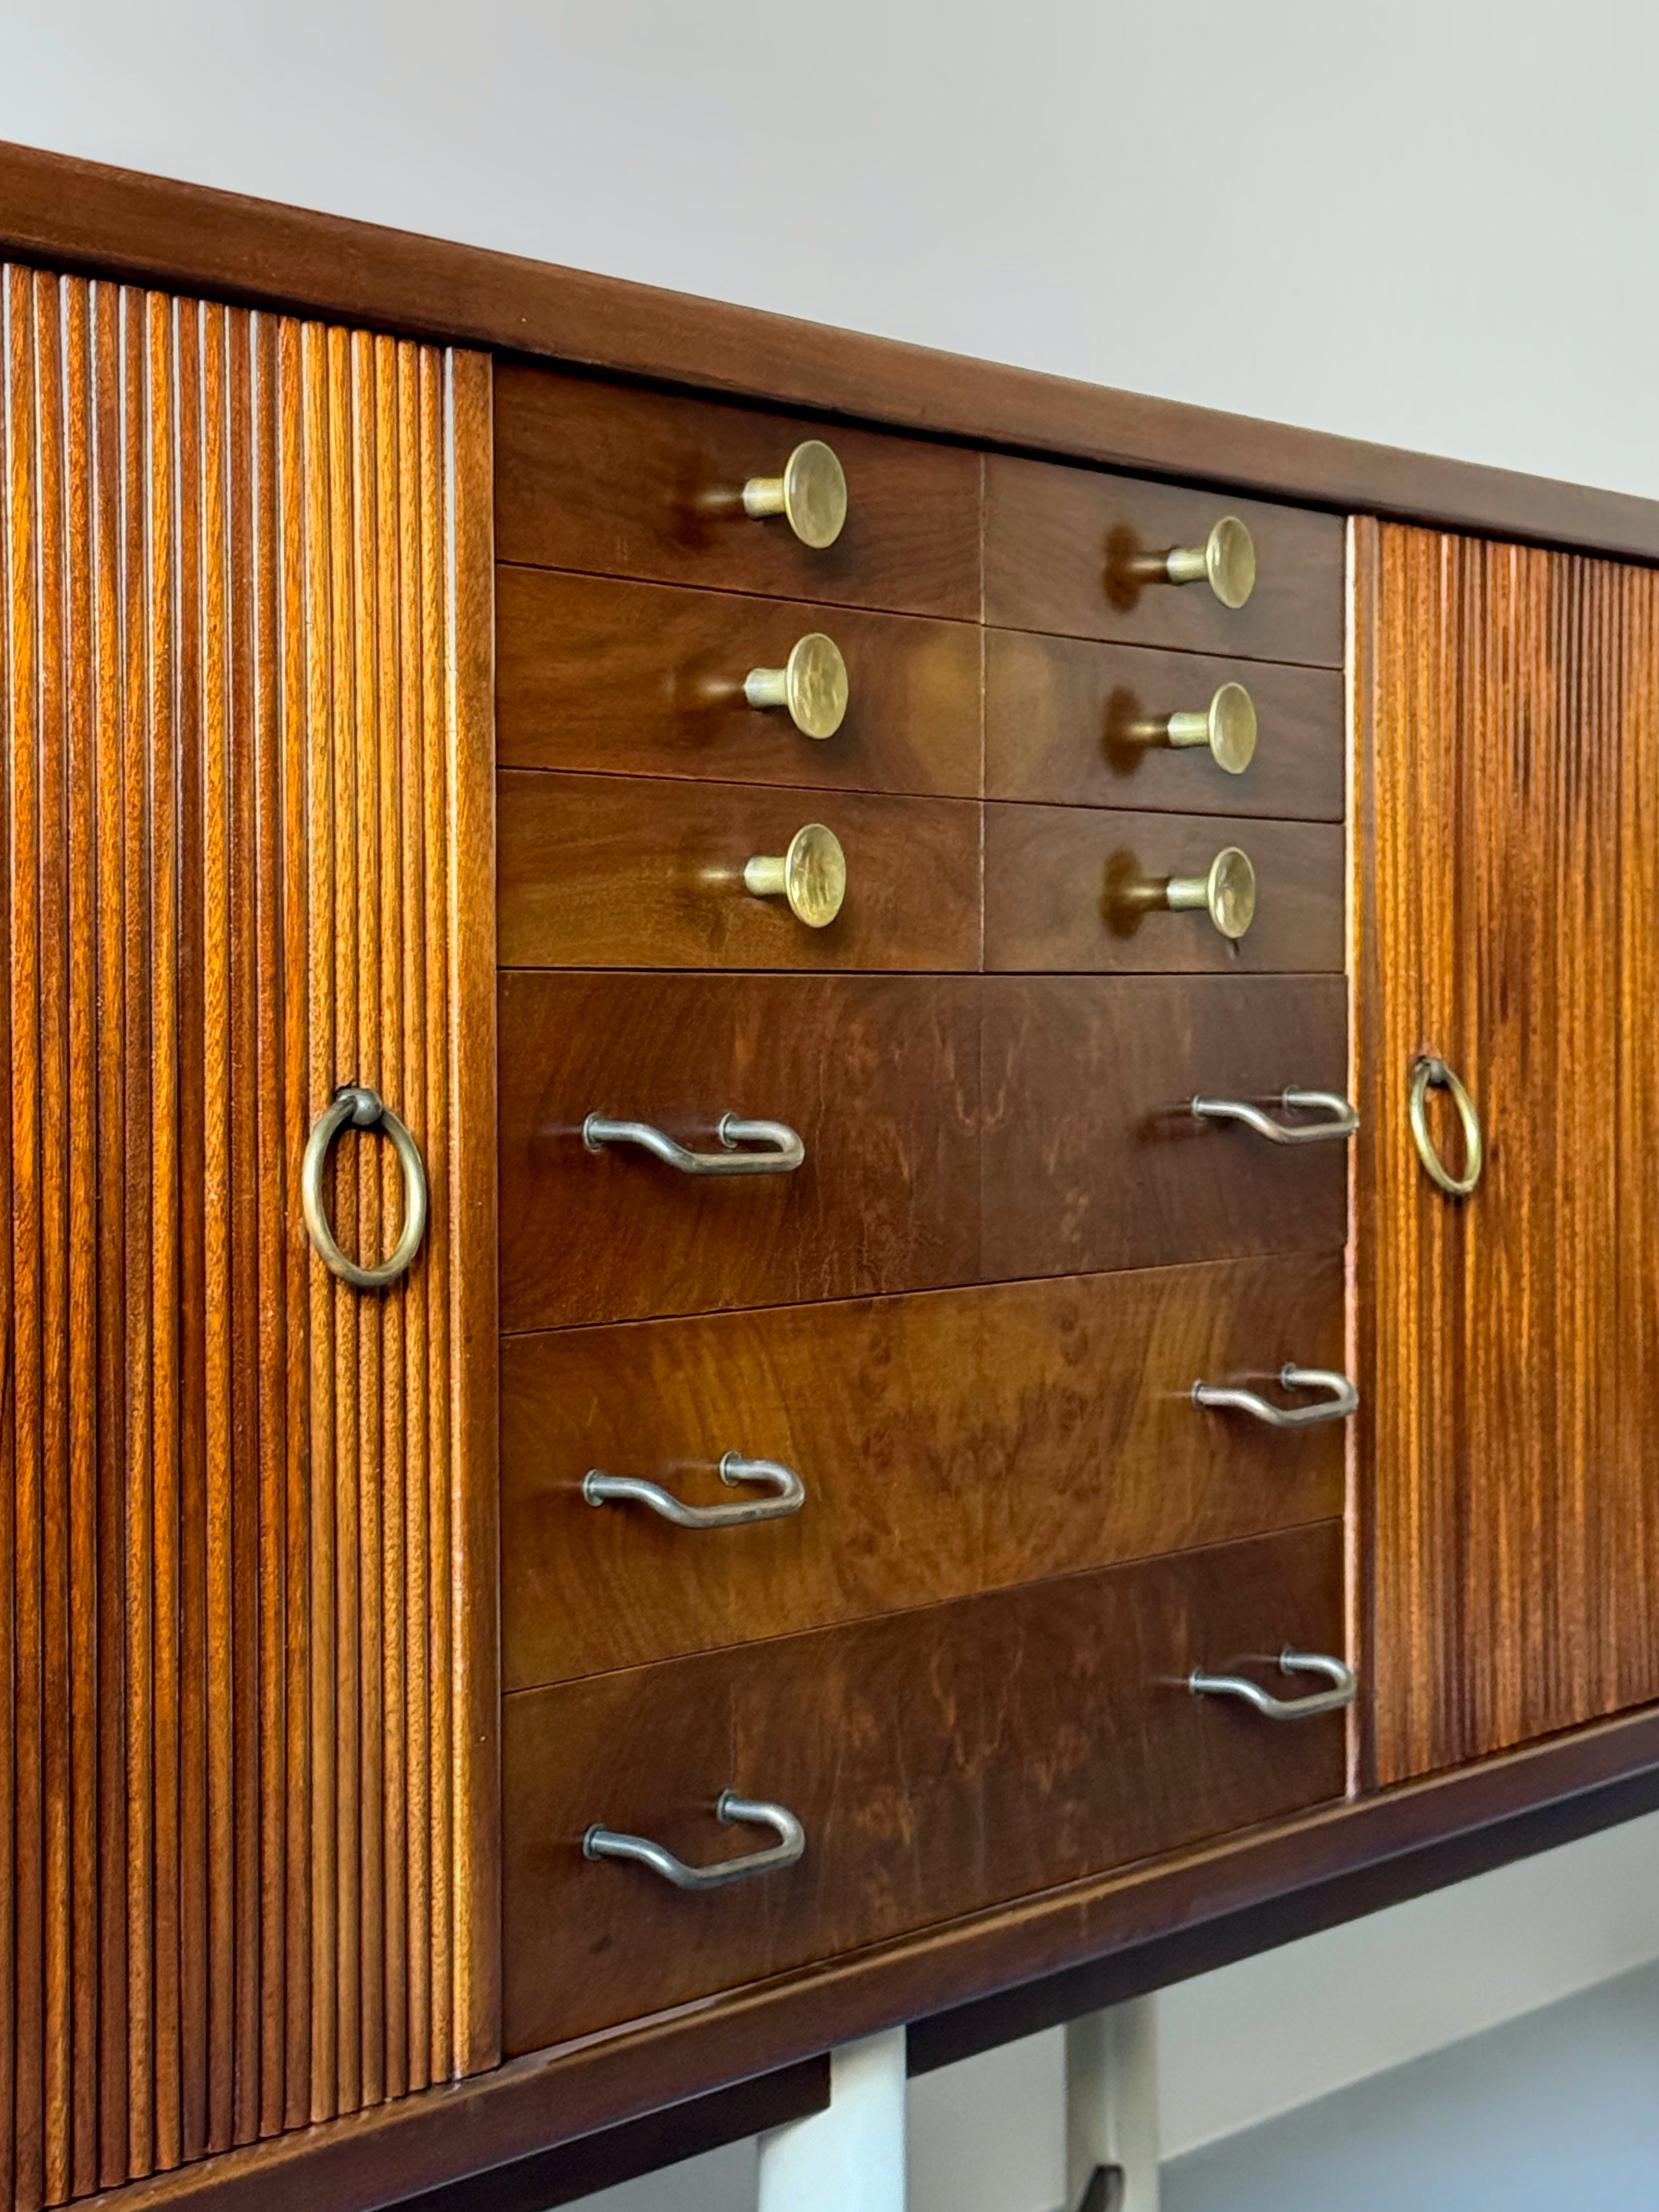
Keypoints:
(951, 1442)
(646, 679)
(616, 481)
(616, 872)
(1061, 714)
(248, 1524)
(1506, 889)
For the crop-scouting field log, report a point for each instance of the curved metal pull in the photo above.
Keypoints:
(1343, 1690)
(789, 1494)
(1342, 1118)
(365, 1109)
(1344, 1398)
(602, 1843)
(785, 1149)
(1428, 1074)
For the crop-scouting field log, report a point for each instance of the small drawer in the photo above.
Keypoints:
(644, 679)
(942, 1444)
(635, 872)
(614, 480)
(1080, 552)
(1093, 1158)
(1084, 888)
(1086, 725)
(879, 1076)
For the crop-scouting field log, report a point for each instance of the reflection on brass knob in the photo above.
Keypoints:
(811, 875)
(1227, 725)
(1225, 561)
(811, 684)
(1228, 891)
(810, 495)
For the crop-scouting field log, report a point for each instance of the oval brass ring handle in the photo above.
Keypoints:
(354, 1102)
(1344, 1687)
(1428, 1074)
(811, 875)
(1343, 1398)
(1227, 725)
(1341, 1119)
(1226, 562)
(602, 1843)
(811, 685)
(1227, 892)
(810, 495)
(789, 1494)
(783, 1149)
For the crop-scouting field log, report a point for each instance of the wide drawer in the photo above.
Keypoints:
(1081, 724)
(647, 679)
(938, 1761)
(633, 871)
(877, 1076)
(1092, 1156)
(619, 480)
(948, 1443)
(1068, 887)
(1069, 550)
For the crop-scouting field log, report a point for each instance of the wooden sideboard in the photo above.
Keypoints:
(836, 1037)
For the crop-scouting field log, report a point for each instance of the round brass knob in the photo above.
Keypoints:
(1228, 891)
(1227, 725)
(811, 685)
(810, 495)
(811, 875)
(1226, 562)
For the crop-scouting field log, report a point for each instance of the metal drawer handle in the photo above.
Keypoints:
(1344, 1687)
(1226, 562)
(1428, 1074)
(602, 1843)
(1344, 1398)
(1342, 1118)
(811, 686)
(599, 1488)
(810, 495)
(364, 1108)
(784, 1150)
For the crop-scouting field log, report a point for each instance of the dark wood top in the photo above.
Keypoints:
(82, 216)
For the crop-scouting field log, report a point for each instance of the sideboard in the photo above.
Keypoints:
(825, 1184)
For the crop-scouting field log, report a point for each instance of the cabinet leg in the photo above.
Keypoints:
(853, 2154)
(1111, 2106)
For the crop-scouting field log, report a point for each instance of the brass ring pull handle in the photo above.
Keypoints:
(1227, 725)
(782, 1151)
(602, 1843)
(1343, 1398)
(1344, 1687)
(1226, 562)
(812, 875)
(810, 687)
(364, 1108)
(789, 1494)
(1341, 1119)
(810, 495)
(1428, 1074)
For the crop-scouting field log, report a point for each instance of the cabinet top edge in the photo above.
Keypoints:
(88, 218)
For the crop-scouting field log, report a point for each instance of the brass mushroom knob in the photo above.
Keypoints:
(1227, 892)
(1227, 725)
(811, 875)
(811, 685)
(810, 495)
(1226, 562)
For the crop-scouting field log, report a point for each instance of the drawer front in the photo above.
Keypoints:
(623, 871)
(938, 1761)
(1082, 725)
(879, 1076)
(619, 482)
(646, 679)
(1066, 887)
(1064, 549)
(1092, 1157)
(949, 1443)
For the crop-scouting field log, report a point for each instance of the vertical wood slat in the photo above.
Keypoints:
(1506, 886)
(246, 1513)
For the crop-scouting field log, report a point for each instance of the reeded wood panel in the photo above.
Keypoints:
(1509, 869)
(245, 1513)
